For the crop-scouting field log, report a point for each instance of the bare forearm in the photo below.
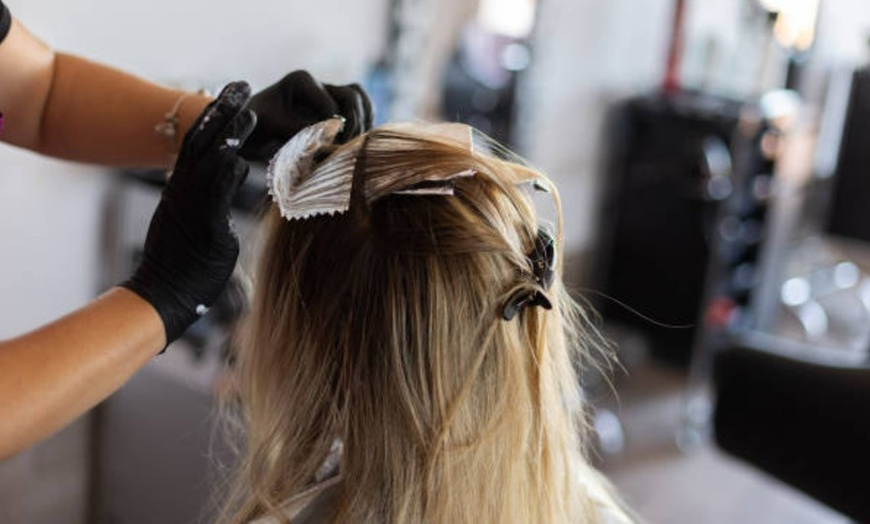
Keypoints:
(72, 108)
(102, 115)
(54, 374)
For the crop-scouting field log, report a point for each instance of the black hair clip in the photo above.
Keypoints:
(543, 260)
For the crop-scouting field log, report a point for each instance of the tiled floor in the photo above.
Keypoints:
(703, 486)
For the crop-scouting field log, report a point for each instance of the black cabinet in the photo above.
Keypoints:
(685, 192)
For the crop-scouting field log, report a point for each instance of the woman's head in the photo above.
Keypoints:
(382, 328)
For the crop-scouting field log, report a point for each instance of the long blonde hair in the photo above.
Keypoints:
(382, 329)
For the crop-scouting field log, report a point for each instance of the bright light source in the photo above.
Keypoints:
(516, 57)
(775, 6)
(795, 25)
(846, 275)
(795, 292)
(514, 18)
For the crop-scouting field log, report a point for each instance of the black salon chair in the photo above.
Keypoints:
(802, 419)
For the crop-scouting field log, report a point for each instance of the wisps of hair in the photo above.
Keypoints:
(381, 329)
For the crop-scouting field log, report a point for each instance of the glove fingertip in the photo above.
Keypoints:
(216, 117)
(235, 94)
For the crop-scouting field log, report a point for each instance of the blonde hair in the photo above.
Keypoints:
(382, 329)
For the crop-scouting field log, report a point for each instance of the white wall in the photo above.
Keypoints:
(587, 55)
(215, 40)
(844, 31)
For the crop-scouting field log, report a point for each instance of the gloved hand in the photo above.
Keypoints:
(191, 247)
(297, 101)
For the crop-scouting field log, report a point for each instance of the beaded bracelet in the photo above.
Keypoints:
(168, 127)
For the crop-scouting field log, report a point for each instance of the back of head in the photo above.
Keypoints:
(381, 329)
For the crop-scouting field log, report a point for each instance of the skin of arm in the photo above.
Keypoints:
(54, 374)
(68, 107)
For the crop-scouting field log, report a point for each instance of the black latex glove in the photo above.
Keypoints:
(191, 247)
(298, 101)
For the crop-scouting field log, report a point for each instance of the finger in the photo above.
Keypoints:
(237, 131)
(368, 109)
(349, 108)
(226, 174)
(354, 106)
(311, 100)
(234, 169)
(215, 118)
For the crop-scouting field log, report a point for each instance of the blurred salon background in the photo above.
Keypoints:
(714, 163)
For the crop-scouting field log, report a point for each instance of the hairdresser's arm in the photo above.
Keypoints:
(68, 107)
(54, 374)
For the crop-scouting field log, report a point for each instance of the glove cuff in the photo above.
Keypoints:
(174, 313)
